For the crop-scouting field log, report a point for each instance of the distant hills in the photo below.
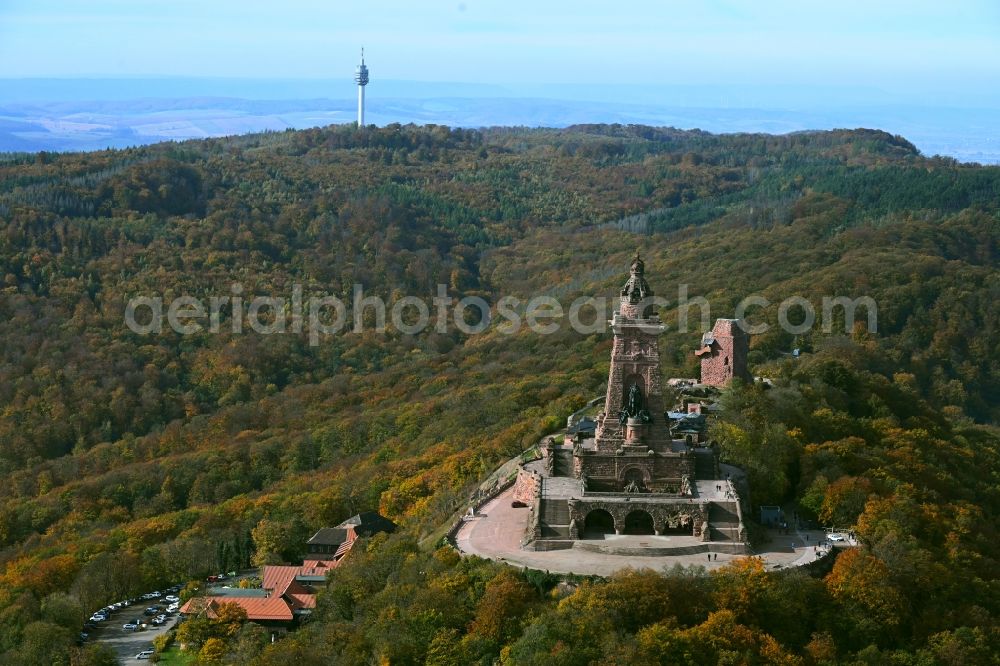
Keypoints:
(93, 114)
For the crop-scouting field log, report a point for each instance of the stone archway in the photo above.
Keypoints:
(636, 473)
(633, 475)
(598, 523)
(633, 378)
(639, 522)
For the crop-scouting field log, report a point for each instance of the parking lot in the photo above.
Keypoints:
(127, 644)
(146, 610)
(129, 627)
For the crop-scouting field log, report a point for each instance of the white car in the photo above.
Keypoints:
(173, 608)
(98, 617)
(833, 536)
(171, 598)
(145, 654)
(130, 626)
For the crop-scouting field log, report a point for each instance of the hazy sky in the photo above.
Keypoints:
(942, 45)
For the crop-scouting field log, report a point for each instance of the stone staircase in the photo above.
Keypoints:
(723, 522)
(562, 462)
(704, 465)
(555, 519)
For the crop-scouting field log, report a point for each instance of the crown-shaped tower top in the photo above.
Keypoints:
(636, 289)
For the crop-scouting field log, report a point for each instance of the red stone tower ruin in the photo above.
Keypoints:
(723, 353)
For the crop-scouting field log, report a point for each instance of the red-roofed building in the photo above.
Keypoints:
(289, 592)
(317, 567)
(259, 609)
(277, 578)
(286, 594)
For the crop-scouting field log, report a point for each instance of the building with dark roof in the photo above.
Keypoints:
(369, 523)
(330, 541)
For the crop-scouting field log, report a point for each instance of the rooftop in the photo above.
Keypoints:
(368, 523)
(273, 608)
(329, 536)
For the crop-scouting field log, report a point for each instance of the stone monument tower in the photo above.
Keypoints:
(632, 447)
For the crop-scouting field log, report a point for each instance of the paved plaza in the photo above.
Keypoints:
(497, 529)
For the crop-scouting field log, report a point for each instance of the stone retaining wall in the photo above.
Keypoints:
(728, 548)
(528, 486)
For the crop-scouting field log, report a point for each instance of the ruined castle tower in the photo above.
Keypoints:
(723, 353)
(633, 446)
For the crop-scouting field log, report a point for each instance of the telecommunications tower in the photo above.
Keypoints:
(361, 78)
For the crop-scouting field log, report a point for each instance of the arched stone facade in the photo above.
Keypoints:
(664, 515)
(635, 472)
(600, 521)
(638, 521)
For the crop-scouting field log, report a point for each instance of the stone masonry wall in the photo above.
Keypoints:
(728, 355)
(657, 470)
(527, 487)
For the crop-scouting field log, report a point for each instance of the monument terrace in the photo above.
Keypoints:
(638, 480)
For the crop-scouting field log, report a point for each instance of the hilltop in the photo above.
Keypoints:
(127, 459)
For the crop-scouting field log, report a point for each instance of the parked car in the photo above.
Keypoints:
(158, 620)
(834, 536)
(173, 608)
(145, 654)
(171, 598)
(151, 611)
(98, 617)
(130, 626)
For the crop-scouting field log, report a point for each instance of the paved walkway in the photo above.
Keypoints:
(497, 530)
(561, 487)
(713, 489)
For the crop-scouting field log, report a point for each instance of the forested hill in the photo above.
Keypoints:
(129, 461)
